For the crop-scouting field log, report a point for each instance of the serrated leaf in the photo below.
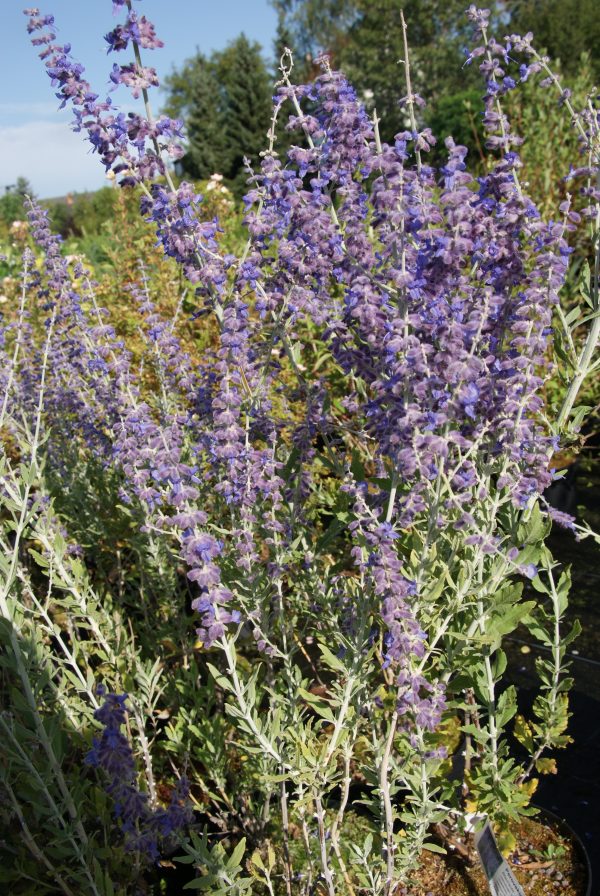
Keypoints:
(523, 733)
(511, 617)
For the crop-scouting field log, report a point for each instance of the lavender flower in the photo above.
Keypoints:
(137, 29)
(432, 292)
(130, 145)
(143, 827)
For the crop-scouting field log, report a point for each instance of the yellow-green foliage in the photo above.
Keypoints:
(536, 115)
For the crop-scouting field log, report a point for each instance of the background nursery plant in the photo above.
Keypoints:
(255, 599)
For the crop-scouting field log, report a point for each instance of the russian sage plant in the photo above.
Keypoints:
(348, 484)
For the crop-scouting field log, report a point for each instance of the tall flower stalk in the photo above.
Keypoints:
(355, 528)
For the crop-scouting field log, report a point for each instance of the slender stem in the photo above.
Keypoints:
(500, 112)
(388, 815)
(584, 362)
(340, 720)
(43, 789)
(15, 357)
(305, 837)
(335, 828)
(228, 649)
(20, 529)
(285, 824)
(139, 719)
(32, 845)
(326, 870)
(6, 612)
(557, 656)
(57, 635)
(409, 94)
(583, 367)
(149, 116)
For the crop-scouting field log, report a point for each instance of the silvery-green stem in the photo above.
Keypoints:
(285, 825)
(31, 844)
(227, 645)
(326, 870)
(557, 656)
(335, 828)
(388, 814)
(17, 346)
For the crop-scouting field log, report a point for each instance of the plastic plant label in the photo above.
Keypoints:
(500, 878)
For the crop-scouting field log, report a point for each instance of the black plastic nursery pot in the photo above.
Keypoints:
(565, 829)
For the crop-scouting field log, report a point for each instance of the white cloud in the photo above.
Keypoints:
(54, 159)
(21, 113)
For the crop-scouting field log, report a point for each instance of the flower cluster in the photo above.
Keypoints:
(129, 145)
(143, 826)
(358, 458)
(137, 29)
(432, 290)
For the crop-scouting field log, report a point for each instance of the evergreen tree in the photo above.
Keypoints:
(179, 86)
(564, 28)
(369, 55)
(247, 88)
(207, 149)
(316, 26)
(225, 104)
(364, 38)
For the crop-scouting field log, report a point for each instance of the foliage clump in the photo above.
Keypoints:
(273, 581)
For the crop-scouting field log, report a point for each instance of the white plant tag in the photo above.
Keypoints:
(500, 878)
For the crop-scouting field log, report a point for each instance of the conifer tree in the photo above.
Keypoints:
(207, 150)
(225, 104)
(178, 86)
(247, 88)
(565, 28)
(364, 39)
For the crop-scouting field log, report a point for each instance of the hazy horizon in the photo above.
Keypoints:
(36, 141)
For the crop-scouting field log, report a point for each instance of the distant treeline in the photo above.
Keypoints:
(225, 99)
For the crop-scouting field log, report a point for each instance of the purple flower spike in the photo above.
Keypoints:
(130, 146)
(143, 827)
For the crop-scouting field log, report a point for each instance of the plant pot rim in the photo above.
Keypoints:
(565, 828)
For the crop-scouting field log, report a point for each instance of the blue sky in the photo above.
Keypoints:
(35, 139)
